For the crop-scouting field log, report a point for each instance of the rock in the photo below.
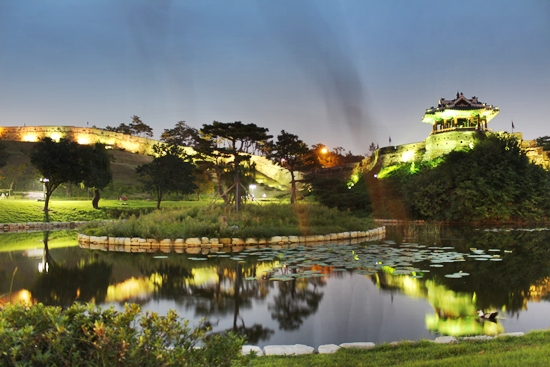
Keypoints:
(446, 340)
(285, 350)
(359, 345)
(328, 348)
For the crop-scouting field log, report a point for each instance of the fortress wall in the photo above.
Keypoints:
(444, 143)
(82, 135)
(130, 143)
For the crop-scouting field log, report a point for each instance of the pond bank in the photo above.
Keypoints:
(38, 226)
(301, 349)
(204, 245)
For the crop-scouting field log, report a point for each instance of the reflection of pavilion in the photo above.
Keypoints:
(460, 113)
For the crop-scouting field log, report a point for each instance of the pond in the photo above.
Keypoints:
(418, 282)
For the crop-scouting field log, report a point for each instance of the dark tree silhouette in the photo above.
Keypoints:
(168, 172)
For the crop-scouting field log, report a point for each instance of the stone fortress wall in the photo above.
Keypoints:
(434, 146)
(114, 140)
(437, 145)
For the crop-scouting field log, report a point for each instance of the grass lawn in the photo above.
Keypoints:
(533, 349)
(22, 211)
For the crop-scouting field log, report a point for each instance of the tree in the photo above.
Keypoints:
(182, 134)
(98, 175)
(236, 141)
(3, 156)
(292, 154)
(168, 172)
(137, 127)
(58, 163)
(122, 128)
(493, 181)
(13, 173)
(544, 142)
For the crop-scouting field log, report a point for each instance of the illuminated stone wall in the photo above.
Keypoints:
(437, 145)
(82, 135)
(444, 143)
(130, 143)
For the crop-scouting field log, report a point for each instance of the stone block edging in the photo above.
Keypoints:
(298, 349)
(195, 245)
(38, 226)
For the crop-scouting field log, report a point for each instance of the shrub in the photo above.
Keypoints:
(86, 335)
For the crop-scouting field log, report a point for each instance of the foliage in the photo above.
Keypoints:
(253, 221)
(182, 134)
(292, 154)
(58, 163)
(136, 127)
(168, 172)
(544, 142)
(98, 164)
(3, 156)
(493, 181)
(236, 141)
(86, 335)
(333, 187)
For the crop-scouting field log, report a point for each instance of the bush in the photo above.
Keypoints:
(86, 335)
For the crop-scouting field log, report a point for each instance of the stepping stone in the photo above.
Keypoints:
(358, 345)
(285, 350)
(247, 349)
(328, 349)
(519, 333)
(445, 340)
(477, 337)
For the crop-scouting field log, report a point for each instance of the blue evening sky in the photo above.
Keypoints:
(342, 72)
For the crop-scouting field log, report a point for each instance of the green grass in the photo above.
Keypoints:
(252, 221)
(23, 211)
(533, 349)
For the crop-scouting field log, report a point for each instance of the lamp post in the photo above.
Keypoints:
(252, 187)
(44, 181)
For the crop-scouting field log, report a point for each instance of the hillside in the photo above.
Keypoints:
(123, 166)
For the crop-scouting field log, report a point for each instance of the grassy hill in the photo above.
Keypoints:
(125, 179)
(123, 167)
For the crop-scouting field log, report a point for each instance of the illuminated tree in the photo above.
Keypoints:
(292, 154)
(235, 141)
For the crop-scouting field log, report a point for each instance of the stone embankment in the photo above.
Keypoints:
(205, 245)
(299, 349)
(38, 226)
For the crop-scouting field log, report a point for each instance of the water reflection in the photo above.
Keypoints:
(409, 270)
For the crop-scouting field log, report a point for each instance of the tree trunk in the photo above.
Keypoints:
(159, 199)
(95, 200)
(220, 186)
(292, 188)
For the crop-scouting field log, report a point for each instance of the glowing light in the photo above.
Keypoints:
(30, 138)
(55, 136)
(82, 140)
(324, 151)
(407, 156)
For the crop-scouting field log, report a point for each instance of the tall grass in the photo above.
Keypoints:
(253, 221)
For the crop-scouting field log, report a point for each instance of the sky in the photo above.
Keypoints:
(343, 73)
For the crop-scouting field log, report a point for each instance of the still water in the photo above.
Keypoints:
(417, 283)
